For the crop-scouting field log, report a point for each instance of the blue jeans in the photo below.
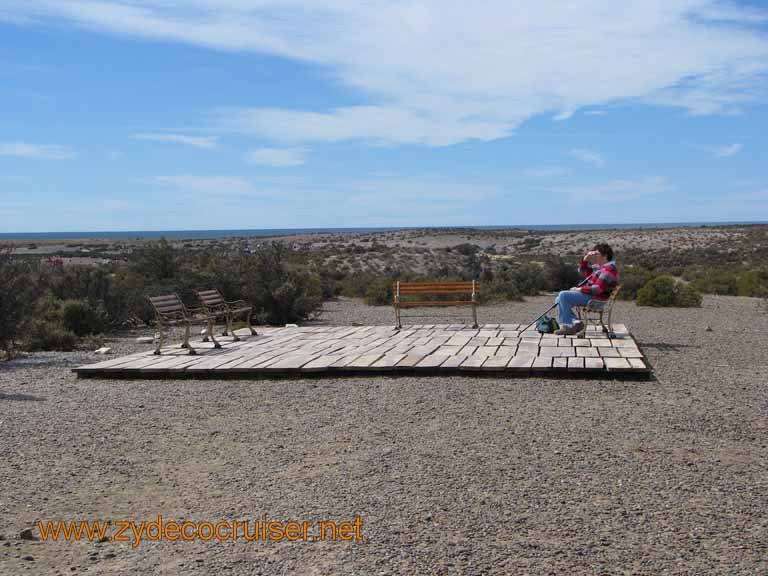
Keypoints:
(566, 300)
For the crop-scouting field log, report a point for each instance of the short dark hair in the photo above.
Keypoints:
(605, 250)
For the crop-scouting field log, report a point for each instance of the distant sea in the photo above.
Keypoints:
(207, 234)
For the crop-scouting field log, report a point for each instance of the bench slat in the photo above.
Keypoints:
(435, 303)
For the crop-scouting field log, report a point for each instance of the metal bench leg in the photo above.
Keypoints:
(235, 337)
(159, 344)
(248, 320)
(210, 333)
(186, 344)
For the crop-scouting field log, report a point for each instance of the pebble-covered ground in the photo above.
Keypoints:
(449, 475)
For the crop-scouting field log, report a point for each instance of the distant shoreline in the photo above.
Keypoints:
(266, 233)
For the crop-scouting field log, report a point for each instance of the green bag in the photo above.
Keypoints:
(547, 325)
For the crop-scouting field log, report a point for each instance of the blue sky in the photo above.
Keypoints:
(149, 114)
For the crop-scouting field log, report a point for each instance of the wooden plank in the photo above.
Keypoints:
(453, 362)
(388, 361)
(608, 352)
(321, 364)
(521, 363)
(432, 361)
(541, 364)
(594, 364)
(473, 362)
(630, 353)
(637, 364)
(487, 350)
(410, 361)
(587, 352)
(616, 364)
(497, 362)
(364, 361)
(560, 363)
(575, 363)
(430, 303)
(448, 350)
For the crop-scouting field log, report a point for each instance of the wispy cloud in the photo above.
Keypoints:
(196, 141)
(210, 184)
(705, 56)
(588, 156)
(38, 151)
(544, 172)
(277, 157)
(727, 151)
(614, 190)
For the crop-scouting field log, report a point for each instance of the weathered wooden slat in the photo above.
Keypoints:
(593, 364)
(521, 363)
(616, 364)
(473, 362)
(432, 303)
(541, 364)
(497, 362)
(575, 363)
(587, 352)
(432, 361)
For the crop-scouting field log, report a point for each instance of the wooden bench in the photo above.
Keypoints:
(414, 293)
(214, 307)
(171, 311)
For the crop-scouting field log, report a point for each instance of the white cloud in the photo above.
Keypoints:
(592, 195)
(727, 151)
(209, 184)
(277, 157)
(385, 125)
(594, 112)
(43, 152)
(588, 156)
(438, 72)
(196, 141)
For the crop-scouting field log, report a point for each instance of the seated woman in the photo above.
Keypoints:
(602, 276)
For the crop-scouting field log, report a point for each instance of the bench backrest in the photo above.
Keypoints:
(168, 305)
(210, 297)
(435, 288)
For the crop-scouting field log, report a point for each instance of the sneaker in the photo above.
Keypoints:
(568, 330)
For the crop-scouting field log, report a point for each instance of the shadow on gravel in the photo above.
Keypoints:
(666, 347)
(22, 397)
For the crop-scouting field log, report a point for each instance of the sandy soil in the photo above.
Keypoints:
(458, 475)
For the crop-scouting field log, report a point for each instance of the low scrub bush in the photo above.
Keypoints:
(14, 300)
(83, 317)
(51, 336)
(666, 291)
(379, 292)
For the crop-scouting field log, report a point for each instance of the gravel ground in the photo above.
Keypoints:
(450, 475)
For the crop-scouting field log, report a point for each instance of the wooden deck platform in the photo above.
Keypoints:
(442, 348)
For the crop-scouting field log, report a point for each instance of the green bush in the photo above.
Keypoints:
(83, 317)
(632, 279)
(280, 291)
(14, 299)
(665, 291)
(47, 335)
(379, 292)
